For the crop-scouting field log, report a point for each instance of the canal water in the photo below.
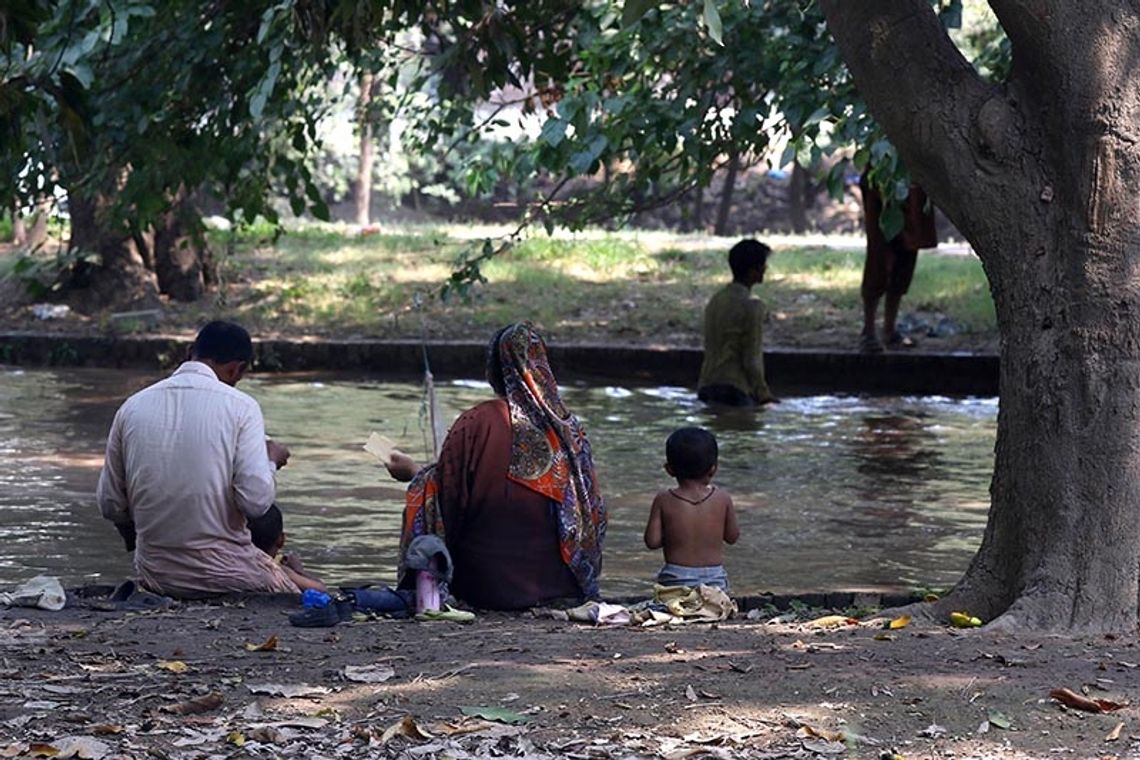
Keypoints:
(833, 492)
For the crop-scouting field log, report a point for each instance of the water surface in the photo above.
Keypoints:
(833, 492)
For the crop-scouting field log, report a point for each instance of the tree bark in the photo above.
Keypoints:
(181, 260)
(1041, 176)
(362, 186)
(121, 279)
(797, 199)
(725, 208)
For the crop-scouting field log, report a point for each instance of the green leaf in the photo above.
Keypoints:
(499, 714)
(553, 132)
(713, 22)
(998, 719)
(891, 221)
(633, 10)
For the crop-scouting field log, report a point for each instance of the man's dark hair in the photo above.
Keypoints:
(266, 530)
(691, 452)
(746, 256)
(223, 342)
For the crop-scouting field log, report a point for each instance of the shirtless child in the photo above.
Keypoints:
(690, 521)
(268, 534)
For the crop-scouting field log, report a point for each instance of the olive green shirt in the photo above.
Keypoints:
(734, 332)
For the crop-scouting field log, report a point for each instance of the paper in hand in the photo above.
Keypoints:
(380, 447)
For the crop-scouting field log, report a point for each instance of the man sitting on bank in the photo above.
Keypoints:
(187, 464)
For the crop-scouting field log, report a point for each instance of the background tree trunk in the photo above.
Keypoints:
(362, 186)
(725, 209)
(797, 199)
(181, 259)
(1041, 176)
(121, 280)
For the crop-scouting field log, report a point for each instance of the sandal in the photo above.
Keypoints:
(869, 344)
(447, 613)
(129, 597)
(898, 340)
(335, 612)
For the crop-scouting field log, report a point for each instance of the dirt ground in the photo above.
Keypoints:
(183, 683)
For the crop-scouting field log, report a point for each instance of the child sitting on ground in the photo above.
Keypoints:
(690, 521)
(268, 534)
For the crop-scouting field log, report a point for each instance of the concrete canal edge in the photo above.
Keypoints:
(787, 369)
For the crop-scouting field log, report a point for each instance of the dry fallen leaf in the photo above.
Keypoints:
(811, 732)
(37, 749)
(832, 621)
(1114, 734)
(209, 702)
(106, 729)
(174, 666)
(82, 747)
(269, 645)
(1070, 698)
(287, 690)
(405, 726)
(902, 621)
(369, 673)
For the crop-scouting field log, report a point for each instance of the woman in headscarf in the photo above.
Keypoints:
(514, 494)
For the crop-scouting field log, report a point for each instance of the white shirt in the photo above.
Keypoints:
(186, 462)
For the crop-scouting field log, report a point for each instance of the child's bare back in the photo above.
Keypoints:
(693, 521)
(692, 525)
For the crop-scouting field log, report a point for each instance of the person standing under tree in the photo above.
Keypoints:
(889, 265)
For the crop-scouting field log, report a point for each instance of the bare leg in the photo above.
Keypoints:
(890, 315)
(868, 342)
(870, 306)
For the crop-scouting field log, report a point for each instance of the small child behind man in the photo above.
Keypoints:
(268, 534)
(692, 521)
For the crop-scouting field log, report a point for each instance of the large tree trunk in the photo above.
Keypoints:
(181, 259)
(362, 186)
(121, 280)
(1042, 177)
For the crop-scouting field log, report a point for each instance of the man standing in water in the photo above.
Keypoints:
(732, 372)
(187, 464)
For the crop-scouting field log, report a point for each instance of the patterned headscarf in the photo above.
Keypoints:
(550, 455)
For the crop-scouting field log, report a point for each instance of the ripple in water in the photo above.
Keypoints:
(832, 491)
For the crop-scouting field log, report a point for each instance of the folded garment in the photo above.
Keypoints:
(700, 604)
(428, 552)
(384, 600)
(599, 613)
(43, 591)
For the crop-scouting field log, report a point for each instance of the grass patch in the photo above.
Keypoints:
(320, 280)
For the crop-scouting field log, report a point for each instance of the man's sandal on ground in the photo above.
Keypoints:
(335, 612)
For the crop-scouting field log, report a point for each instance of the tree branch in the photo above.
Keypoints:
(928, 98)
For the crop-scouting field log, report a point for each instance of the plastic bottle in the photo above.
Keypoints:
(427, 589)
